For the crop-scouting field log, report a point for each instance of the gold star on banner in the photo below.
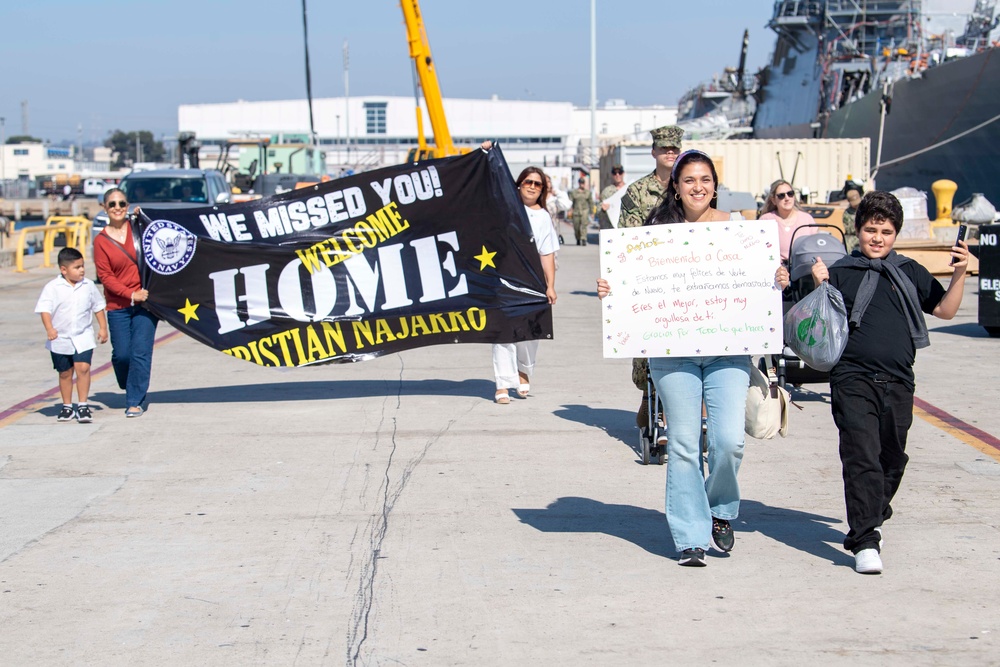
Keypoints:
(485, 259)
(189, 311)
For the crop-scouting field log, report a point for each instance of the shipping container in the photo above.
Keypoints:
(818, 166)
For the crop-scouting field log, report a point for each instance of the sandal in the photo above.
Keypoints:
(524, 387)
(502, 397)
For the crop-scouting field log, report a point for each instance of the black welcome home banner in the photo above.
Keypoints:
(388, 260)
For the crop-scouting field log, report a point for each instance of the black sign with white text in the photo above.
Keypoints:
(384, 261)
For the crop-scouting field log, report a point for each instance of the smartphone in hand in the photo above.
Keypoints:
(962, 231)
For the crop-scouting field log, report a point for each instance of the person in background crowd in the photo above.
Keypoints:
(781, 206)
(699, 509)
(132, 327)
(556, 203)
(617, 183)
(583, 208)
(853, 193)
(638, 202)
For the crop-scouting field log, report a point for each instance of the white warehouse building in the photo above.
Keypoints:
(371, 131)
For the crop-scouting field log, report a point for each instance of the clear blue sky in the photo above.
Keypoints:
(128, 64)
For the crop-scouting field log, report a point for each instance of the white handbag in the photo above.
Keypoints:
(767, 407)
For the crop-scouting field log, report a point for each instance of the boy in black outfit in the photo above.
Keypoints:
(871, 387)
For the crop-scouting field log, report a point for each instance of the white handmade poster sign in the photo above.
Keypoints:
(691, 290)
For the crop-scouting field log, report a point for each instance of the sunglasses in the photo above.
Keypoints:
(531, 184)
(617, 171)
(784, 195)
(119, 204)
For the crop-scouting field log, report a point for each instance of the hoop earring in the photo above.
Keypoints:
(677, 196)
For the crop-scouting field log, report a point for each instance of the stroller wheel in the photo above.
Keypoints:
(644, 446)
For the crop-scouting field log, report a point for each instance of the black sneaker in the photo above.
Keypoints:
(66, 414)
(84, 415)
(692, 558)
(723, 538)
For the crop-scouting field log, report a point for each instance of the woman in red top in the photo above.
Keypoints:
(132, 327)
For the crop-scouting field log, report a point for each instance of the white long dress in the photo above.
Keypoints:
(509, 358)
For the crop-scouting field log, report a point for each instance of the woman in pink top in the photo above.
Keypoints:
(781, 206)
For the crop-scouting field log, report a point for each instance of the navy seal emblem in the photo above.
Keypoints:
(167, 247)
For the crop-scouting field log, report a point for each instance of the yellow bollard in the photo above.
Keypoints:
(944, 194)
(77, 230)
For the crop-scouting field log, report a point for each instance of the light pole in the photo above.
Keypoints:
(347, 99)
(593, 83)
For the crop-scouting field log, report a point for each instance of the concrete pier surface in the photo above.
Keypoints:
(389, 513)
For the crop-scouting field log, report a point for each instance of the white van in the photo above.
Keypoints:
(94, 187)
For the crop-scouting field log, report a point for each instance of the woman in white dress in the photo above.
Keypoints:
(513, 363)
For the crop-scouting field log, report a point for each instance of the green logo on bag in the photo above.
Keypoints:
(810, 326)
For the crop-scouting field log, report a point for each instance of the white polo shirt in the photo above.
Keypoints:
(72, 308)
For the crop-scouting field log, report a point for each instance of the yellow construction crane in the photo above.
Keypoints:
(426, 78)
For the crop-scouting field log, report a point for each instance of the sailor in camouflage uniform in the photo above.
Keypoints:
(583, 208)
(639, 201)
(643, 195)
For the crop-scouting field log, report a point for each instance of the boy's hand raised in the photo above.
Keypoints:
(960, 256)
(820, 272)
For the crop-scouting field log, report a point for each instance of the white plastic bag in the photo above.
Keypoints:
(816, 327)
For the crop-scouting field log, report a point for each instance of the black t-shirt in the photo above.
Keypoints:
(882, 342)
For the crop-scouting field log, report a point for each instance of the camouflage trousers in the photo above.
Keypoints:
(640, 371)
(580, 223)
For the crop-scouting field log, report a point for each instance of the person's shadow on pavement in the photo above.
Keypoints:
(616, 423)
(642, 527)
(807, 532)
(647, 529)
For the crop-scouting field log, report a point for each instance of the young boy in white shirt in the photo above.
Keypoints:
(68, 305)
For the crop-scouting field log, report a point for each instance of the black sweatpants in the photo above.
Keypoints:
(873, 416)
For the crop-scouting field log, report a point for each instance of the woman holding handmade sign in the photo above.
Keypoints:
(514, 362)
(699, 509)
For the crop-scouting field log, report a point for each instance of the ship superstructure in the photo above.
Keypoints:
(920, 78)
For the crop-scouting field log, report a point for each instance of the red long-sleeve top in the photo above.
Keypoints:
(119, 274)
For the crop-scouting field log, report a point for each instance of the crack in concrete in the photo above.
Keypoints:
(376, 530)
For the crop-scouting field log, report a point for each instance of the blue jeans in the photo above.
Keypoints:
(132, 330)
(692, 500)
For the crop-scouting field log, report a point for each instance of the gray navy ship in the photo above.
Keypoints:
(920, 78)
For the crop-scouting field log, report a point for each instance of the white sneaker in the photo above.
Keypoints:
(868, 561)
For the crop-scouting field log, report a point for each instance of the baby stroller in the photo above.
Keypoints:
(804, 249)
(653, 436)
